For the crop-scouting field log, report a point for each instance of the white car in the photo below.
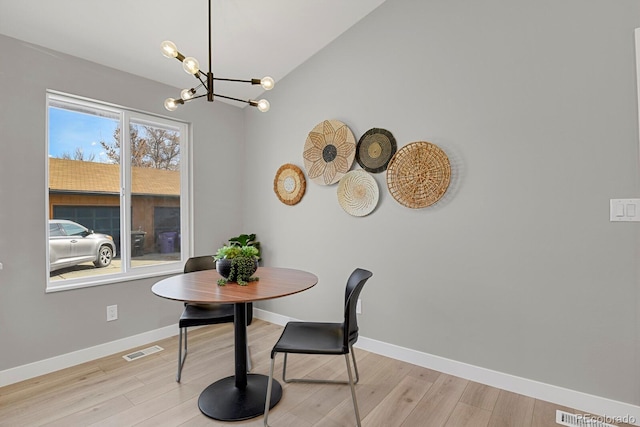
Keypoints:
(70, 244)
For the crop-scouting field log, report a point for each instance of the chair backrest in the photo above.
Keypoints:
(199, 263)
(354, 286)
(208, 262)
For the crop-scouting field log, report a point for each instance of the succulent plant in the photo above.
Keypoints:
(244, 261)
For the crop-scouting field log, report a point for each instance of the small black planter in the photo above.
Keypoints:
(223, 266)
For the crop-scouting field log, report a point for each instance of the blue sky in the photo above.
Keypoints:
(71, 129)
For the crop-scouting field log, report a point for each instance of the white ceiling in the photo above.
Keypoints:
(251, 38)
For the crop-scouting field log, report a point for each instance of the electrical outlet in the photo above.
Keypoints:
(112, 313)
(359, 306)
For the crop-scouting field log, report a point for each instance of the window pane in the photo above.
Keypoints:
(120, 195)
(155, 194)
(84, 178)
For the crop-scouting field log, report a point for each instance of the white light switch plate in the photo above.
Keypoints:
(624, 210)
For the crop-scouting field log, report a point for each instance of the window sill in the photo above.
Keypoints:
(81, 283)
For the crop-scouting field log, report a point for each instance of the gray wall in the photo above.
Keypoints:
(518, 269)
(35, 325)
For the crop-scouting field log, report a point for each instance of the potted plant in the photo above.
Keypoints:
(237, 263)
(246, 240)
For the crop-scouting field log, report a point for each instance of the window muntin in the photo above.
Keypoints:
(120, 186)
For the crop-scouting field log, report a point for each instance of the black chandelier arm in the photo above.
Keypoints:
(210, 43)
(233, 99)
(182, 101)
(198, 77)
(195, 97)
(195, 88)
(252, 81)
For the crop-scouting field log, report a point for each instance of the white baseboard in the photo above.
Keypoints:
(41, 367)
(562, 396)
(573, 399)
(267, 316)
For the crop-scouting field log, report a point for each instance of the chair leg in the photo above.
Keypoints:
(351, 383)
(284, 370)
(181, 357)
(300, 380)
(355, 365)
(267, 402)
(353, 390)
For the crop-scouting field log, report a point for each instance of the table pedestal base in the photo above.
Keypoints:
(224, 401)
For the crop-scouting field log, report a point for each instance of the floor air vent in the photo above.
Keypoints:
(142, 353)
(573, 420)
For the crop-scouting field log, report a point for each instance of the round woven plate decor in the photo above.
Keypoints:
(329, 152)
(375, 149)
(418, 174)
(358, 193)
(289, 184)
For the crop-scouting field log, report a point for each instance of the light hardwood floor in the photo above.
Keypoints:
(113, 392)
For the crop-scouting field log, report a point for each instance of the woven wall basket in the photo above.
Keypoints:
(289, 184)
(418, 174)
(329, 152)
(358, 193)
(375, 149)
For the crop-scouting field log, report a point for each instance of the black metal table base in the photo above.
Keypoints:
(241, 396)
(224, 401)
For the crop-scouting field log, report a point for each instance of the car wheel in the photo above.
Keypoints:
(104, 257)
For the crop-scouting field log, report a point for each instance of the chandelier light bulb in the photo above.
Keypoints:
(187, 94)
(206, 79)
(267, 83)
(170, 104)
(191, 65)
(263, 105)
(169, 49)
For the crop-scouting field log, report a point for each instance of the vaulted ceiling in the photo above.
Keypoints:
(251, 38)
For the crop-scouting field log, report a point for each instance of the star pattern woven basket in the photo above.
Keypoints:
(329, 152)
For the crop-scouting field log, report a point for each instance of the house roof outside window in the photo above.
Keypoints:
(104, 178)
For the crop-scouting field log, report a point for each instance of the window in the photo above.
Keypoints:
(117, 202)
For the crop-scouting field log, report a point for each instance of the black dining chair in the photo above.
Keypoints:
(323, 338)
(204, 314)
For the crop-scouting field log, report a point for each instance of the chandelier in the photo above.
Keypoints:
(191, 66)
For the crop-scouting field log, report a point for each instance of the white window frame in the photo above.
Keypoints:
(186, 196)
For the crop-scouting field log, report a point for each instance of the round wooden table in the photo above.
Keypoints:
(240, 396)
